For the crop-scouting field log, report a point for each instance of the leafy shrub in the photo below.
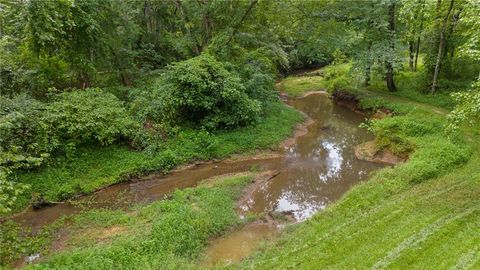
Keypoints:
(31, 130)
(25, 137)
(201, 91)
(9, 192)
(257, 72)
(12, 243)
(396, 133)
(372, 103)
(338, 77)
(90, 115)
(467, 109)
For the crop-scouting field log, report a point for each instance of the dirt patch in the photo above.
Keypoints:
(347, 100)
(111, 232)
(351, 102)
(380, 114)
(97, 235)
(369, 151)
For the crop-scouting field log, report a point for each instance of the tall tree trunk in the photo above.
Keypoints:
(420, 30)
(411, 50)
(369, 66)
(441, 46)
(391, 27)
(449, 50)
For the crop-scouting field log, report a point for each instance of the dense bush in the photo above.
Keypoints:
(91, 115)
(258, 72)
(31, 130)
(201, 91)
(396, 133)
(467, 109)
(25, 137)
(338, 77)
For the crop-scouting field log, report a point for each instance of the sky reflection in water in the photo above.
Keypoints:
(321, 166)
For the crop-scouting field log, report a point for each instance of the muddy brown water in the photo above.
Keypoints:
(146, 189)
(321, 166)
(315, 171)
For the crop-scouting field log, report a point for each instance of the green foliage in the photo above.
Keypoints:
(396, 133)
(166, 234)
(30, 130)
(9, 192)
(430, 201)
(372, 103)
(299, 85)
(467, 109)
(201, 91)
(89, 115)
(339, 77)
(12, 244)
(25, 137)
(93, 167)
(257, 71)
(17, 241)
(330, 78)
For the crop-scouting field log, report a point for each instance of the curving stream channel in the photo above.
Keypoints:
(313, 172)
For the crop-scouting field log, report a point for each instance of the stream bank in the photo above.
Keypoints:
(311, 171)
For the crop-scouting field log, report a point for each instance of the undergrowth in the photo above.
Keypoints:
(94, 167)
(167, 234)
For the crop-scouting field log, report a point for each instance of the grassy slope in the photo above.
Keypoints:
(95, 167)
(433, 225)
(167, 234)
(420, 215)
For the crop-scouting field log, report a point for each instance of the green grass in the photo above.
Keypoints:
(331, 78)
(411, 86)
(95, 167)
(296, 86)
(432, 225)
(423, 214)
(167, 234)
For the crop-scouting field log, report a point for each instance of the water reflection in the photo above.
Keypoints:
(321, 166)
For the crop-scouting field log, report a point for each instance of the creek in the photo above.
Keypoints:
(313, 172)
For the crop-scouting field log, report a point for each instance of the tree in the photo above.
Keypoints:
(391, 34)
(441, 47)
(412, 15)
(467, 109)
